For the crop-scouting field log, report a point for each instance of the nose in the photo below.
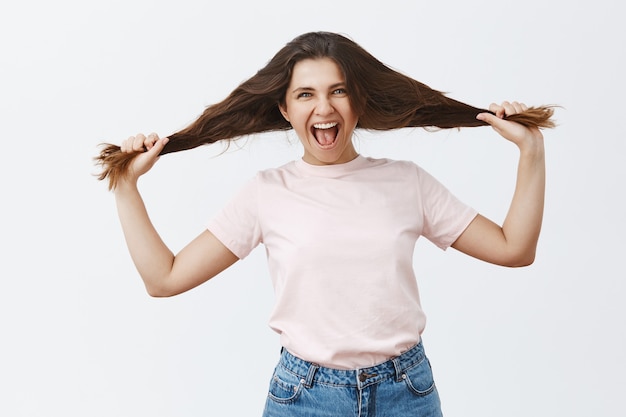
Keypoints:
(323, 107)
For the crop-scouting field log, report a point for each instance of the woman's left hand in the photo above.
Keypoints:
(515, 242)
(520, 135)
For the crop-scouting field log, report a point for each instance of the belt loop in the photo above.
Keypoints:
(308, 382)
(397, 367)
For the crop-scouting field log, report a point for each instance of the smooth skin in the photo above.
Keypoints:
(165, 274)
(317, 95)
(515, 242)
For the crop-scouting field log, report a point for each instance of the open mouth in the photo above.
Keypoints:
(325, 133)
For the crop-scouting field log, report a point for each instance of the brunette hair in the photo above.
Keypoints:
(383, 98)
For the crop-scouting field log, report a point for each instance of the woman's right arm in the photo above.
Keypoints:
(164, 274)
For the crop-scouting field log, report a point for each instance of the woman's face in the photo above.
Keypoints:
(318, 108)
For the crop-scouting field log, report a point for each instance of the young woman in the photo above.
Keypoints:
(339, 228)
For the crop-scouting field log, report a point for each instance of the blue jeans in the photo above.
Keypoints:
(402, 386)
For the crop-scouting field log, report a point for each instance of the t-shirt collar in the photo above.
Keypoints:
(331, 171)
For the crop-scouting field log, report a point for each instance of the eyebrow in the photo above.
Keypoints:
(336, 85)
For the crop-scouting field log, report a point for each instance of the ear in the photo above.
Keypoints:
(283, 111)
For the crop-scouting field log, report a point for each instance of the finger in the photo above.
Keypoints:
(509, 108)
(497, 109)
(517, 106)
(488, 117)
(494, 120)
(126, 145)
(506, 128)
(151, 140)
(138, 143)
(498, 124)
(158, 146)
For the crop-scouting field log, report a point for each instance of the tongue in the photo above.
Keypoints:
(326, 137)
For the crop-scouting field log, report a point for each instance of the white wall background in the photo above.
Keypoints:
(80, 337)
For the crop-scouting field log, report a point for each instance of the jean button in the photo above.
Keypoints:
(364, 375)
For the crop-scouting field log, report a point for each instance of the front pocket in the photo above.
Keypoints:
(419, 378)
(285, 387)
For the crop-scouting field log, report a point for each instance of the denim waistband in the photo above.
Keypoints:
(311, 373)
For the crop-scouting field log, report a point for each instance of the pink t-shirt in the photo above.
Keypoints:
(340, 242)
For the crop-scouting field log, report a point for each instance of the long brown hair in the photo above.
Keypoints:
(384, 99)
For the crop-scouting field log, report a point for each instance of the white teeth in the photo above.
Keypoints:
(324, 125)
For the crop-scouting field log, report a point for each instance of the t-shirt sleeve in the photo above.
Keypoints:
(237, 224)
(445, 216)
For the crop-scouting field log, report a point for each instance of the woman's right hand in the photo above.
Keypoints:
(163, 273)
(147, 148)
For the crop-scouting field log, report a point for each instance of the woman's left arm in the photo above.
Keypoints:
(515, 242)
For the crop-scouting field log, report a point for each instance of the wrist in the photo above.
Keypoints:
(532, 147)
(126, 185)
